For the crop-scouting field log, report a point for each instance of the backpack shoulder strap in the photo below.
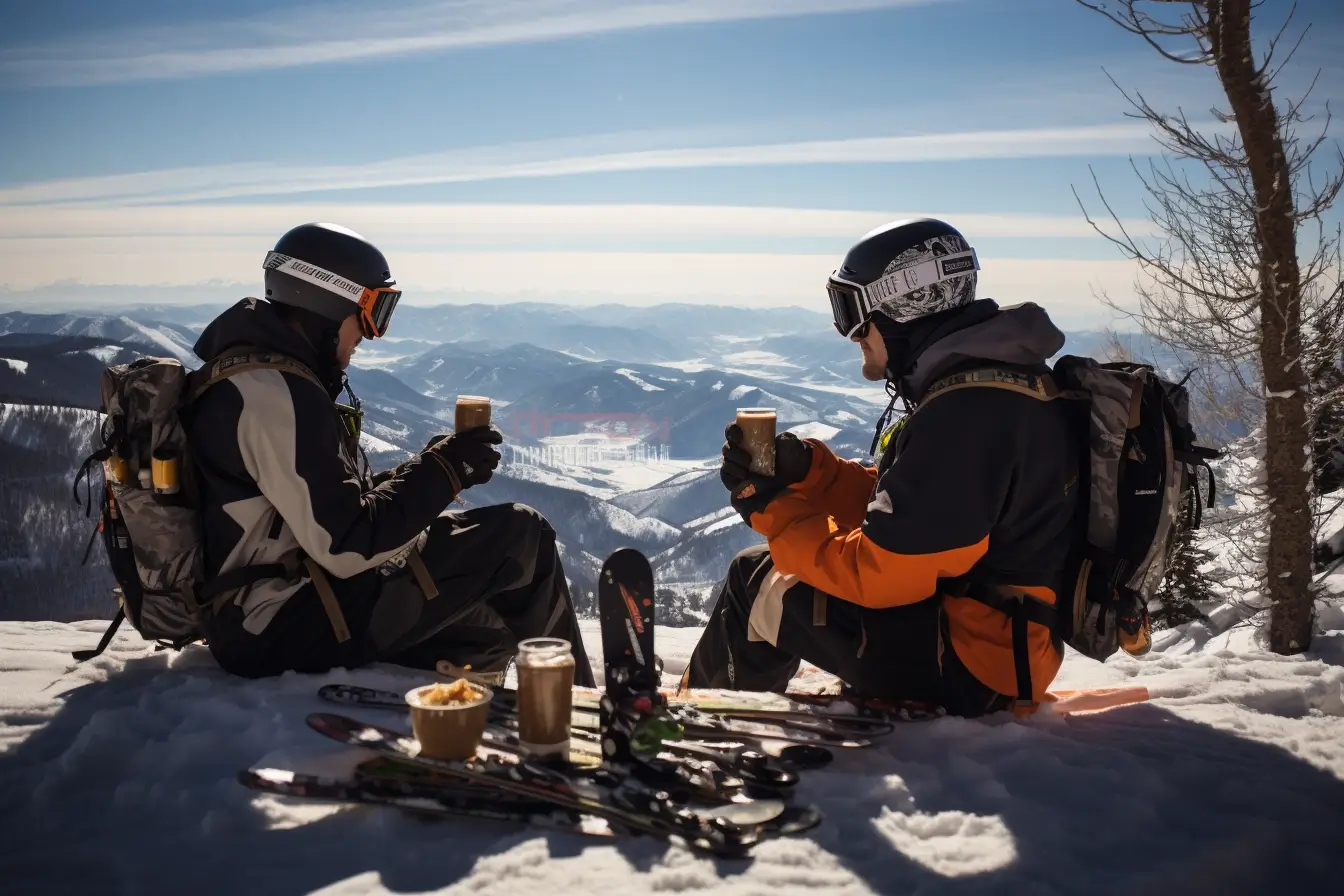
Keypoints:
(244, 360)
(1040, 386)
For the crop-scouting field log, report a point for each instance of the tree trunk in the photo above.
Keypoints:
(1287, 451)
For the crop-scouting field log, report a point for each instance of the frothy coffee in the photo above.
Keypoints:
(758, 438)
(473, 411)
(545, 696)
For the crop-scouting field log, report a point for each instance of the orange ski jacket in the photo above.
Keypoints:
(981, 482)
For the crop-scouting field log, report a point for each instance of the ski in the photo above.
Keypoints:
(820, 712)
(1063, 702)
(770, 763)
(695, 723)
(767, 821)
(764, 815)
(698, 723)
(818, 729)
(438, 799)
(761, 706)
(625, 801)
(354, 695)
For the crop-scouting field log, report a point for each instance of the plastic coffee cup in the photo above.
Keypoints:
(473, 411)
(545, 696)
(449, 730)
(758, 438)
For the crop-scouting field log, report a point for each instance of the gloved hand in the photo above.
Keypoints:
(751, 492)
(471, 453)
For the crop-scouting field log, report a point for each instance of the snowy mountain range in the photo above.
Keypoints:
(613, 419)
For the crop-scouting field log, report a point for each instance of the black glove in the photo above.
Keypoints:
(471, 453)
(751, 492)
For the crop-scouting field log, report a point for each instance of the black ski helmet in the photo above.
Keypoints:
(903, 270)
(334, 273)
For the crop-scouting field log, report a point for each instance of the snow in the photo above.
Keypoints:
(740, 391)
(647, 387)
(845, 418)
(727, 522)
(815, 431)
(717, 516)
(371, 359)
(104, 353)
(642, 528)
(118, 774)
(16, 366)
(756, 356)
(375, 445)
(383, 432)
(694, 365)
(164, 340)
(26, 425)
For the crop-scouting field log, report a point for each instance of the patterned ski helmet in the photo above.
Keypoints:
(903, 270)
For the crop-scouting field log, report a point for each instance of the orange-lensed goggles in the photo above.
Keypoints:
(375, 310)
(376, 304)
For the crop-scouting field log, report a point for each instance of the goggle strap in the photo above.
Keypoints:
(907, 280)
(323, 279)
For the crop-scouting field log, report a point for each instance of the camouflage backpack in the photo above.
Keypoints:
(1138, 467)
(150, 521)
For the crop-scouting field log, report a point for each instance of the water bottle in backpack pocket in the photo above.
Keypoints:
(150, 515)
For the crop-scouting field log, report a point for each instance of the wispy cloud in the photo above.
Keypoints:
(198, 265)
(458, 225)
(462, 252)
(559, 158)
(313, 35)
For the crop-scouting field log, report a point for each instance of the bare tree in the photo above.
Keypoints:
(1224, 281)
(1115, 349)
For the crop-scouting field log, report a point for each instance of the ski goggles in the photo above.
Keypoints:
(376, 304)
(852, 304)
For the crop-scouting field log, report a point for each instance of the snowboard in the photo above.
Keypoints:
(625, 609)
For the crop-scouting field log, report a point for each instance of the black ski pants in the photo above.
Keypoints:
(500, 580)
(901, 653)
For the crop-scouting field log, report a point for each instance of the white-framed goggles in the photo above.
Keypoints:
(376, 304)
(852, 304)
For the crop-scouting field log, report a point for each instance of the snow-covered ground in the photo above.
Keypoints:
(119, 775)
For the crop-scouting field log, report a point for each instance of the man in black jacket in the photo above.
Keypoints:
(866, 569)
(382, 570)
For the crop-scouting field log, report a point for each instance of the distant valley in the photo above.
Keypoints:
(613, 417)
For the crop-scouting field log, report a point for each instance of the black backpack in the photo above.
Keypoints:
(149, 516)
(1139, 463)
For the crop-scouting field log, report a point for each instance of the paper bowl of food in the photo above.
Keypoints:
(449, 718)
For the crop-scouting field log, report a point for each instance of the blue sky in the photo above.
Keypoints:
(580, 150)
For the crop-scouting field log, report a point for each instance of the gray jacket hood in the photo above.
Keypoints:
(1020, 335)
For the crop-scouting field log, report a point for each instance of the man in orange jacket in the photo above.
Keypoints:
(864, 567)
